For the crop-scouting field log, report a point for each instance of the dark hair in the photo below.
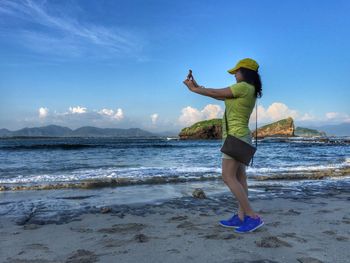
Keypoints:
(252, 77)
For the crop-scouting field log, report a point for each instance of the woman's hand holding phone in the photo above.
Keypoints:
(190, 82)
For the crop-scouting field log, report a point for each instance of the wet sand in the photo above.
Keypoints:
(299, 229)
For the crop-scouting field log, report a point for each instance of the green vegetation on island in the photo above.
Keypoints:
(306, 132)
(209, 129)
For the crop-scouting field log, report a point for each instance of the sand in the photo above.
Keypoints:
(315, 229)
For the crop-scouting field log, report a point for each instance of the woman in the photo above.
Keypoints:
(239, 100)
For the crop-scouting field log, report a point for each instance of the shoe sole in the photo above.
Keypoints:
(251, 230)
(228, 226)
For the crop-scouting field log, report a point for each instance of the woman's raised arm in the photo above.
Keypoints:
(219, 94)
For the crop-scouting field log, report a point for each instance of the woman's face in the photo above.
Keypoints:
(239, 76)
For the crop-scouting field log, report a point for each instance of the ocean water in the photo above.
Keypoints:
(153, 171)
(57, 160)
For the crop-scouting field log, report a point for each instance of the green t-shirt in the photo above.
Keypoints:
(239, 109)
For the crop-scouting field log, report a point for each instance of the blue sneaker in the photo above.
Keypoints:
(234, 221)
(250, 224)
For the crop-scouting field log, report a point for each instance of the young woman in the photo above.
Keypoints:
(239, 100)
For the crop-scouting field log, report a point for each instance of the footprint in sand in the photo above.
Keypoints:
(329, 232)
(291, 212)
(174, 250)
(81, 229)
(31, 226)
(264, 212)
(177, 218)
(274, 224)
(187, 225)
(110, 242)
(309, 260)
(224, 236)
(272, 242)
(122, 228)
(346, 220)
(294, 236)
(82, 255)
(342, 238)
(334, 222)
(323, 211)
(141, 238)
(123, 251)
(37, 246)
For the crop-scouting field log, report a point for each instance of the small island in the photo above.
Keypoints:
(209, 129)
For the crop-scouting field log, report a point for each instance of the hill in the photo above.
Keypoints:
(306, 132)
(209, 129)
(87, 131)
(281, 128)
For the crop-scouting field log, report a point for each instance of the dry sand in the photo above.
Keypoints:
(315, 229)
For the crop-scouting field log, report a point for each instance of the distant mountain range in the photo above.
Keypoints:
(342, 129)
(86, 131)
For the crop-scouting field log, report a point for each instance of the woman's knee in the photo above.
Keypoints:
(241, 173)
(230, 179)
(229, 170)
(227, 178)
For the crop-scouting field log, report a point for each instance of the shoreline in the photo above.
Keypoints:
(121, 182)
(297, 229)
(64, 205)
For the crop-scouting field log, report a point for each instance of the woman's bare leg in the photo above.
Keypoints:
(242, 178)
(229, 175)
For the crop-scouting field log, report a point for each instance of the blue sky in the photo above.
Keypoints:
(121, 63)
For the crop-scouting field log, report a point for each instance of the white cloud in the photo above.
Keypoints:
(43, 112)
(77, 110)
(106, 112)
(190, 115)
(119, 115)
(332, 115)
(277, 111)
(154, 118)
(307, 117)
(212, 111)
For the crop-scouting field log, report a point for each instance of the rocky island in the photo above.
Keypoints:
(211, 129)
(281, 128)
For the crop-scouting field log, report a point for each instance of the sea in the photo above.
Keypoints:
(75, 173)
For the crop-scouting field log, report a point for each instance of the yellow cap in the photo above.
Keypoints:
(245, 63)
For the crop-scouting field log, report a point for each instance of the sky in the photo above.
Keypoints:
(120, 64)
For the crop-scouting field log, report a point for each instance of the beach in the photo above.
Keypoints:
(308, 228)
(131, 200)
